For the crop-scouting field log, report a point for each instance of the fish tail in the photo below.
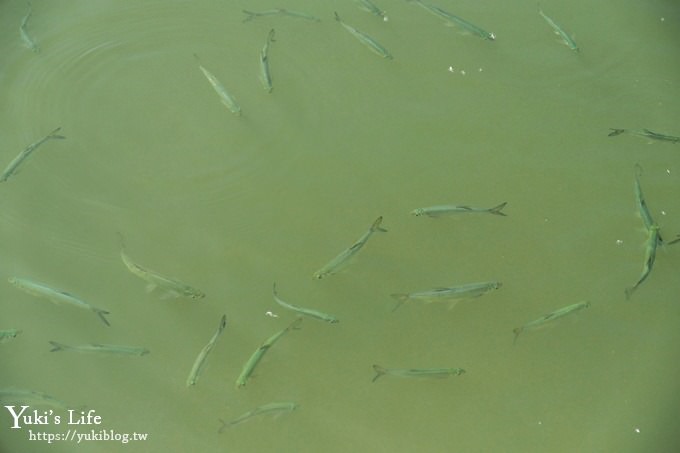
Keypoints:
(121, 239)
(615, 132)
(497, 209)
(54, 134)
(337, 17)
(629, 291)
(376, 226)
(249, 15)
(401, 298)
(57, 346)
(379, 371)
(516, 331)
(101, 314)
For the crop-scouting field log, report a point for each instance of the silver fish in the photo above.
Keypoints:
(8, 335)
(447, 294)
(202, 357)
(30, 42)
(650, 256)
(368, 5)
(57, 296)
(265, 74)
(642, 204)
(455, 20)
(550, 317)
(99, 348)
(568, 40)
(250, 15)
(173, 288)
(304, 311)
(365, 39)
(646, 133)
(449, 209)
(255, 358)
(416, 372)
(341, 260)
(227, 99)
(30, 398)
(271, 408)
(13, 166)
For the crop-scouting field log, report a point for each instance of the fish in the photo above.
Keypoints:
(57, 296)
(568, 40)
(456, 292)
(416, 372)
(455, 20)
(255, 358)
(172, 287)
(445, 210)
(650, 257)
(30, 43)
(8, 335)
(265, 74)
(646, 133)
(642, 204)
(202, 357)
(13, 166)
(366, 40)
(99, 348)
(305, 311)
(227, 99)
(271, 408)
(557, 314)
(341, 260)
(368, 5)
(30, 398)
(250, 15)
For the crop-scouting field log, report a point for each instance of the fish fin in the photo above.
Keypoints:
(401, 298)
(379, 371)
(497, 209)
(101, 314)
(615, 132)
(149, 287)
(673, 241)
(56, 346)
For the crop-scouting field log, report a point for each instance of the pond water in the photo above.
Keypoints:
(230, 204)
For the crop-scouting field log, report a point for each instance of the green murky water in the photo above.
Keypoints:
(232, 204)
